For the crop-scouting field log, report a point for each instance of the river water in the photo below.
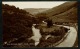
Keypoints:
(36, 35)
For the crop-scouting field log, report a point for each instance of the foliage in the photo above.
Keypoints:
(16, 23)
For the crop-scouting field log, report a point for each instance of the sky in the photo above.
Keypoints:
(29, 4)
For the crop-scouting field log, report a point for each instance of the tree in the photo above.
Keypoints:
(49, 23)
(17, 24)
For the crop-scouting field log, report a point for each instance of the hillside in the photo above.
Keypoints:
(34, 11)
(66, 12)
(17, 23)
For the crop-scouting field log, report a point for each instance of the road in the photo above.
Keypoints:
(68, 42)
(71, 38)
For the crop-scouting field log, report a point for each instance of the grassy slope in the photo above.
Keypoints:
(68, 16)
(66, 12)
(61, 8)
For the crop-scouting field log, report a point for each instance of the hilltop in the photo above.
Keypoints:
(34, 11)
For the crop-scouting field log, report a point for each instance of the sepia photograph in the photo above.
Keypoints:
(43, 24)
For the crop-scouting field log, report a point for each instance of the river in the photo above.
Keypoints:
(68, 42)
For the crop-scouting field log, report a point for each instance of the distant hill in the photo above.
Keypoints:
(66, 12)
(34, 11)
